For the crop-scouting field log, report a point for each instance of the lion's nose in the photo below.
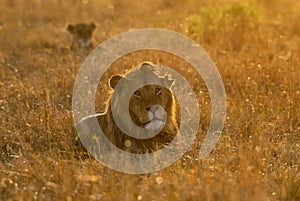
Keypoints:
(148, 108)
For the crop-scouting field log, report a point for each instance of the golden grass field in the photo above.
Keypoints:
(254, 44)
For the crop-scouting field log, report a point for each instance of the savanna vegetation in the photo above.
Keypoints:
(254, 43)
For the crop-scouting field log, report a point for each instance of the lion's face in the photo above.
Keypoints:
(150, 106)
(82, 34)
(145, 102)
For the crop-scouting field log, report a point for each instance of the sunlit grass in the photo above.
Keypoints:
(256, 49)
(235, 14)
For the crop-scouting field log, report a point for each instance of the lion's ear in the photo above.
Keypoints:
(113, 81)
(92, 26)
(71, 28)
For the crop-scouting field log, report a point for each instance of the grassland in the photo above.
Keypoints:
(256, 47)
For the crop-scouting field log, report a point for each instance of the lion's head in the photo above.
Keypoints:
(151, 106)
(82, 35)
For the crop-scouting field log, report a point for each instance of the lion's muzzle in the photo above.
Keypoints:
(157, 116)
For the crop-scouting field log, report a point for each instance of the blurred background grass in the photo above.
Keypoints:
(255, 45)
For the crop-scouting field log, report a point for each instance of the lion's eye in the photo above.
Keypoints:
(157, 91)
(137, 93)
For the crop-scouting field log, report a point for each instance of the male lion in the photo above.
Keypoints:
(152, 107)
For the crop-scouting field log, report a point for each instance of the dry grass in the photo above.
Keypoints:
(256, 47)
